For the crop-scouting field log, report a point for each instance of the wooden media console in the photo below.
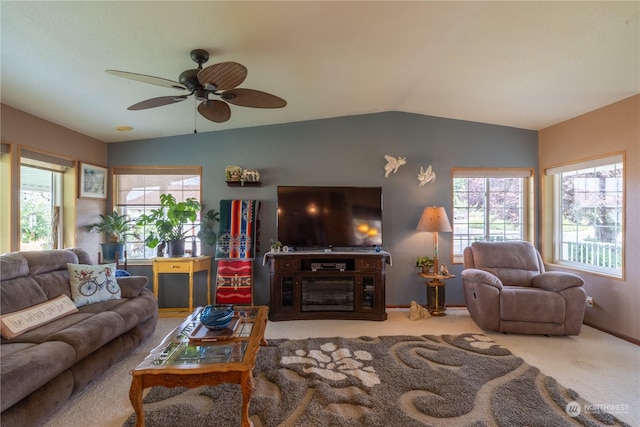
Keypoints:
(327, 285)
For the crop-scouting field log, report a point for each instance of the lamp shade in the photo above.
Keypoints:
(434, 218)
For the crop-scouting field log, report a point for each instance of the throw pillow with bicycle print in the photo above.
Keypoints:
(93, 283)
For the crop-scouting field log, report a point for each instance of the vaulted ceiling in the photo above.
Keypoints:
(522, 64)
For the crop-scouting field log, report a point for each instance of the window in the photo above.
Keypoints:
(41, 196)
(491, 205)
(588, 211)
(138, 190)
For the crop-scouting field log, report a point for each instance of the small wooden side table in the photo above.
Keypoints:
(188, 265)
(435, 293)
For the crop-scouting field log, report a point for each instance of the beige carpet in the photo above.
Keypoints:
(602, 369)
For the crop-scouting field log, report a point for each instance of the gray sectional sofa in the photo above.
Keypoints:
(41, 368)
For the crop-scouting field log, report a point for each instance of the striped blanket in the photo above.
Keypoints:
(238, 229)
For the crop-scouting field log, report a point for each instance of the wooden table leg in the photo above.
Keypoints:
(135, 396)
(247, 387)
(156, 283)
(190, 292)
(209, 284)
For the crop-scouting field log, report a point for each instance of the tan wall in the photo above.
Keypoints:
(615, 128)
(26, 130)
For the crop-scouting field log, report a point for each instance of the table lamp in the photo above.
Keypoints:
(434, 219)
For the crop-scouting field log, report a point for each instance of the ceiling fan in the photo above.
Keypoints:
(218, 80)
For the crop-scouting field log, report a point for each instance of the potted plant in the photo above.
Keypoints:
(425, 263)
(276, 245)
(168, 223)
(117, 227)
(207, 233)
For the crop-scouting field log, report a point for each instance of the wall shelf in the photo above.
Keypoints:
(243, 183)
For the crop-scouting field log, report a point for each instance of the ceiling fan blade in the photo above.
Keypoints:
(158, 81)
(216, 111)
(225, 75)
(253, 98)
(157, 102)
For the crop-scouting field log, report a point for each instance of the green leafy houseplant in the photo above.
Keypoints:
(117, 227)
(168, 222)
(425, 263)
(207, 233)
(276, 245)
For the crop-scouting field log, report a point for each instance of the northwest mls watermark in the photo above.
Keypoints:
(574, 408)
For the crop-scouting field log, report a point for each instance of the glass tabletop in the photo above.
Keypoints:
(185, 353)
(178, 349)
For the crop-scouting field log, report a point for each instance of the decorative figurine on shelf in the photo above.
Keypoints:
(233, 173)
(426, 176)
(393, 164)
(250, 175)
(444, 270)
(417, 312)
(160, 249)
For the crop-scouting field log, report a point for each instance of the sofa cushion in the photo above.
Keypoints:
(515, 263)
(83, 256)
(513, 277)
(92, 333)
(520, 255)
(531, 305)
(93, 283)
(43, 333)
(54, 283)
(132, 286)
(19, 322)
(19, 293)
(46, 261)
(30, 368)
(13, 265)
(132, 311)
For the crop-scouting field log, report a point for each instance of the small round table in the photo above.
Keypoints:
(435, 293)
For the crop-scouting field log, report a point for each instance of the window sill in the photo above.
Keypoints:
(584, 270)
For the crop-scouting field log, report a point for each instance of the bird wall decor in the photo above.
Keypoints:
(426, 176)
(393, 164)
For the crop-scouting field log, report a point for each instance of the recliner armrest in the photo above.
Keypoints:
(557, 281)
(131, 286)
(481, 276)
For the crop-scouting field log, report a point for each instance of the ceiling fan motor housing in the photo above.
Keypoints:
(201, 94)
(189, 78)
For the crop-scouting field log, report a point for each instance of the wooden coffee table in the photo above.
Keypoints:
(186, 358)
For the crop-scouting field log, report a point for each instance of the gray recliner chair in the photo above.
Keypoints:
(507, 289)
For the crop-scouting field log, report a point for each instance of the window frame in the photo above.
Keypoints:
(117, 171)
(552, 177)
(527, 197)
(59, 167)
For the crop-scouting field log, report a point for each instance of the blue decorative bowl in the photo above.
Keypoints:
(216, 317)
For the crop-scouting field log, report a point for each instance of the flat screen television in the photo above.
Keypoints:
(324, 217)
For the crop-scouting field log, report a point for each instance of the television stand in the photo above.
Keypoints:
(327, 285)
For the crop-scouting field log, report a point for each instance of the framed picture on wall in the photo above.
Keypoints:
(92, 181)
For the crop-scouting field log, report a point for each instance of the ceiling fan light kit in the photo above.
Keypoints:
(218, 80)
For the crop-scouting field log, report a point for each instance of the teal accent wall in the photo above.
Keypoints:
(348, 151)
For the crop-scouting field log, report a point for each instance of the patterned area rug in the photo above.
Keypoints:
(463, 380)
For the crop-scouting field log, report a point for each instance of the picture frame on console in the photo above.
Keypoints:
(92, 181)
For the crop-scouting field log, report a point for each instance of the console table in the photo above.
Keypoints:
(327, 285)
(188, 265)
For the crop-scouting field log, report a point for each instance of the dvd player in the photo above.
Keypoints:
(336, 266)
